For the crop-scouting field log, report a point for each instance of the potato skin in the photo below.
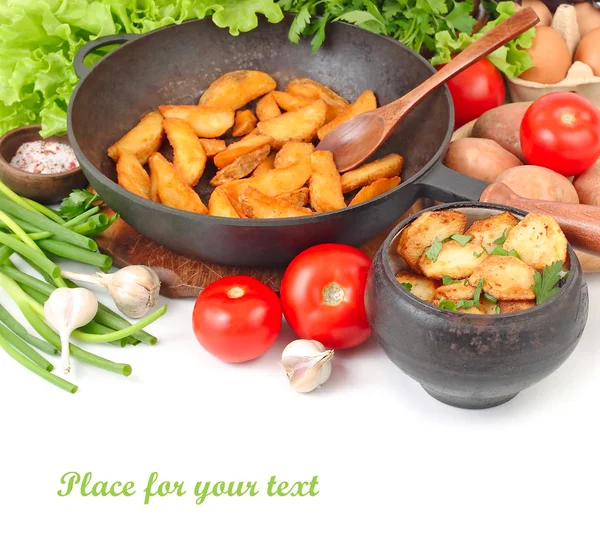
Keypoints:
(587, 185)
(422, 287)
(502, 125)
(420, 234)
(479, 158)
(539, 183)
(538, 240)
(488, 230)
(454, 260)
(505, 278)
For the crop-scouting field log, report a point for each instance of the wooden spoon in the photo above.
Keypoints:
(355, 140)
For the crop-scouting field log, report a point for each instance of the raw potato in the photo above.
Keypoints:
(207, 122)
(486, 231)
(132, 176)
(384, 168)
(479, 158)
(506, 307)
(502, 125)
(220, 205)
(292, 152)
(172, 191)
(143, 140)
(505, 278)
(539, 183)
(240, 148)
(325, 185)
(266, 165)
(587, 185)
(188, 152)
(538, 240)
(376, 188)
(212, 147)
(454, 293)
(366, 102)
(242, 166)
(245, 122)
(267, 108)
(299, 125)
(236, 89)
(420, 234)
(454, 260)
(257, 205)
(422, 287)
(300, 197)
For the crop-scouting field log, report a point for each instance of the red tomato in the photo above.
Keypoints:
(476, 90)
(561, 131)
(237, 318)
(323, 294)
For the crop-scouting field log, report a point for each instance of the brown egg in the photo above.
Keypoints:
(550, 56)
(588, 51)
(588, 17)
(541, 9)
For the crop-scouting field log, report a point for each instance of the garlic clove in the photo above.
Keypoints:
(135, 290)
(307, 364)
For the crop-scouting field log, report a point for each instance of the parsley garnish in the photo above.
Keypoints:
(76, 203)
(502, 239)
(406, 285)
(475, 254)
(490, 298)
(497, 309)
(447, 305)
(503, 253)
(434, 251)
(447, 280)
(545, 283)
(461, 239)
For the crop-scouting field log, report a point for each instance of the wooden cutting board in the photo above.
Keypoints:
(183, 276)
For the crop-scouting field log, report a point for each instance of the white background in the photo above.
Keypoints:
(395, 467)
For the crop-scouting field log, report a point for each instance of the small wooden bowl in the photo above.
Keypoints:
(48, 188)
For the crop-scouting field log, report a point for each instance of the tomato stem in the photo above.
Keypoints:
(235, 292)
(333, 294)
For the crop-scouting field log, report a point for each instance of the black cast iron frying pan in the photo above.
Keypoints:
(175, 64)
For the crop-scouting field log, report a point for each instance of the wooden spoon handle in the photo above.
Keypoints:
(580, 223)
(488, 43)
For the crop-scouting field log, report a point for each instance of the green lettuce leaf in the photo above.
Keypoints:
(39, 40)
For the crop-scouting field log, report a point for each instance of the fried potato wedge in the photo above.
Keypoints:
(488, 307)
(305, 87)
(207, 122)
(266, 165)
(189, 155)
(454, 260)
(486, 231)
(376, 188)
(288, 102)
(325, 183)
(257, 205)
(539, 241)
(506, 307)
(245, 122)
(420, 234)
(385, 168)
(299, 125)
(471, 310)
(240, 148)
(132, 176)
(212, 147)
(365, 102)
(143, 140)
(220, 205)
(236, 89)
(154, 185)
(505, 278)
(171, 190)
(292, 152)
(267, 108)
(242, 166)
(421, 287)
(299, 198)
(454, 293)
(274, 182)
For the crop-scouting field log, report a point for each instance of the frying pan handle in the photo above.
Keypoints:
(80, 69)
(444, 185)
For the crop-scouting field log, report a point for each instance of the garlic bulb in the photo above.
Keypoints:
(134, 289)
(307, 364)
(67, 309)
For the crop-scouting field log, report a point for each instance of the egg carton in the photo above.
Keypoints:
(580, 77)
